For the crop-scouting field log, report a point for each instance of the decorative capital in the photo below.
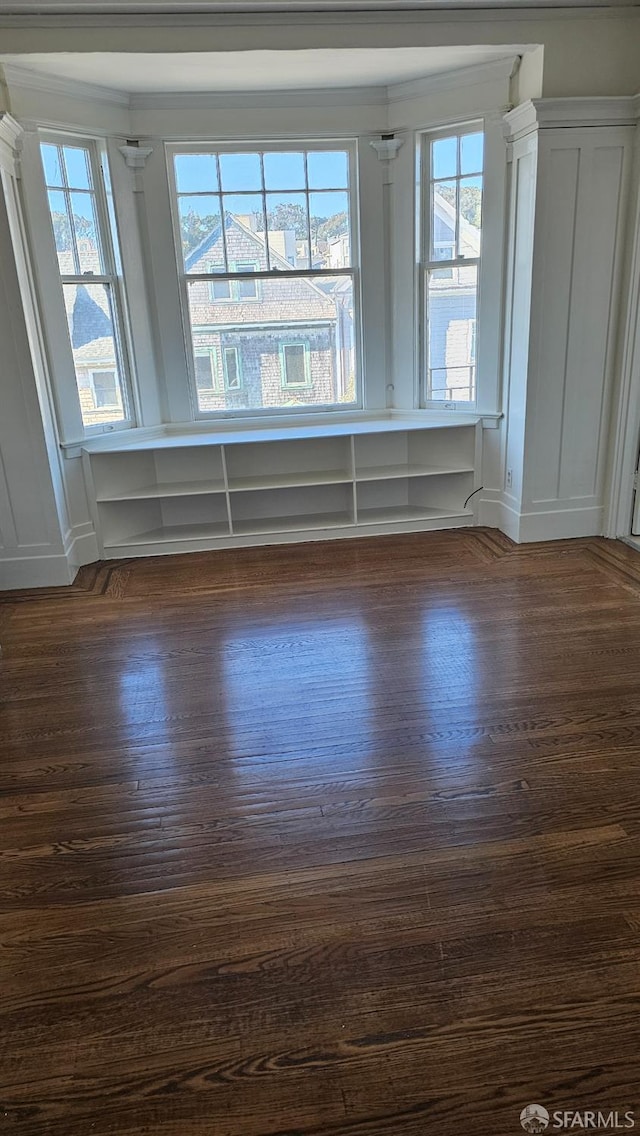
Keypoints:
(386, 146)
(10, 144)
(135, 155)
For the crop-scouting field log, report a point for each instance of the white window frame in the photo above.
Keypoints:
(225, 369)
(350, 145)
(306, 359)
(94, 373)
(210, 353)
(111, 277)
(427, 265)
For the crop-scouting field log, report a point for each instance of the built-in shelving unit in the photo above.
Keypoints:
(166, 491)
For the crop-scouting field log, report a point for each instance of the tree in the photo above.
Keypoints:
(286, 216)
(328, 227)
(470, 201)
(194, 228)
(61, 231)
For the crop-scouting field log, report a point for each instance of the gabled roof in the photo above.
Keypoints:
(214, 236)
(276, 260)
(447, 214)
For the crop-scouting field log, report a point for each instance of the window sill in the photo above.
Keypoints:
(313, 425)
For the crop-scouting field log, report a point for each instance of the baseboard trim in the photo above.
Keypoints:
(82, 547)
(36, 572)
(551, 524)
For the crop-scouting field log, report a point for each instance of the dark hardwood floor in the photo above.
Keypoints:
(334, 839)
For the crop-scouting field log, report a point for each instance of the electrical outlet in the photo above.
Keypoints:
(508, 481)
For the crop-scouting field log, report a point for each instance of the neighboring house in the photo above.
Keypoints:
(452, 307)
(267, 342)
(91, 331)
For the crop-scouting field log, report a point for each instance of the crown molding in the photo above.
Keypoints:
(10, 133)
(24, 77)
(495, 70)
(238, 100)
(558, 114)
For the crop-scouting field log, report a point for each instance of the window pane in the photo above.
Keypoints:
(470, 216)
(330, 230)
(86, 231)
(443, 218)
(294, 370)
(471, 153)
(284, 171)
(247, 289)
(245, 232)
(204, 370)
(319, 314)
(201, 234)
(444, 158)
(240, 172)
(105, 386)
(90, 319)
(52, 164)
(220, 289)
(232, 370)
(62, 232)
(288, 231)
(77, 167)
(196, 173)
(451, 321)
(328, 169)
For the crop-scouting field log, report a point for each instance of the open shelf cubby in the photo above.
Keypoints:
(291, 509)
(413, 498)
(414, 453)
(134, 523)
(299, 462)
(148, 474)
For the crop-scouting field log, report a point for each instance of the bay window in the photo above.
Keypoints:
(246, 276)
(265, 242)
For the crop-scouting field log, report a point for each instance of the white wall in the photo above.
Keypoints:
(570, 185)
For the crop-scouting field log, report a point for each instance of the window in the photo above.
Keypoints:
(220, 289)
(295, 365)
(232, 375)
(265, 247)
(205, 369)
(86, 262)
(105, 388)
(247, 288)
(452, 202)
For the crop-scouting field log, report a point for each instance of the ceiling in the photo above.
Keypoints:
(258, 70)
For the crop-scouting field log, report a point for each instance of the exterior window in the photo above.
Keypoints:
(220, 289)
(265, 240)
(295, 365)
(205, 370)
(86, 261)
(247, 289)
(452, 214)
(232, 375)
(105, 389)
